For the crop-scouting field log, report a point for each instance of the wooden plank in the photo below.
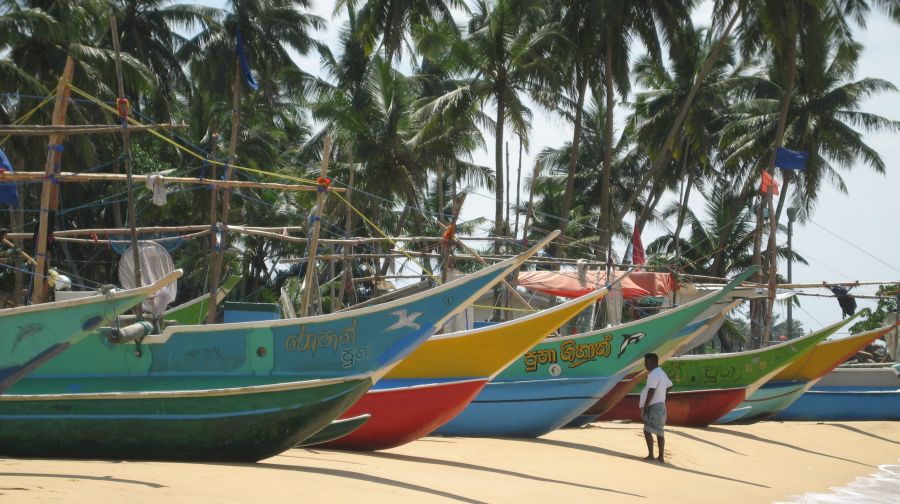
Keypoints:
(49, 200)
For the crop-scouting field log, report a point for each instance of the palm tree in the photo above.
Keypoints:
(148, 30)
(656, 110)
(622, 22)
(393, 19)
(507, 53)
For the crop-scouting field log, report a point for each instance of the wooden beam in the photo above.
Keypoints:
(65, 177)
(48, 192)
(74, 129)
(314, 237)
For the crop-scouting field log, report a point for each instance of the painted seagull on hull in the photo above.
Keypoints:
(404, 320)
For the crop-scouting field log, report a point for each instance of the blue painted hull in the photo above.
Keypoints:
(765, 402)
(845, 403)
(526, 408)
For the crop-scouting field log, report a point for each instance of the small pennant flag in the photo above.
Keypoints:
(242, 58)
(768, 184)
(788, 159)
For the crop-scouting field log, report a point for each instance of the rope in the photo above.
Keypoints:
(28, 115)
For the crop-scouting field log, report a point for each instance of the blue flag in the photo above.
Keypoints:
(242, 58)
(8, 194)
(787, 159)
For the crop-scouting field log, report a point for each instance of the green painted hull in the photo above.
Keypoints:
(32, 335)
(238, 424)
(748, 370)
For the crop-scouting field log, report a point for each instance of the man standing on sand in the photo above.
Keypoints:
(653, 405)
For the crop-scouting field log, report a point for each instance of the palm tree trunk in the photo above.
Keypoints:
(606, 231)
(498, 170)
(573, 163)
(518, 188)
(662, 156)
(682, 212)
(779, 138)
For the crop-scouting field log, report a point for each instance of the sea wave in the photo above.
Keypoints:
(883, 487)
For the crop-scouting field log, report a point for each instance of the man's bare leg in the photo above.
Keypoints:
(661, 440)
(649, 438)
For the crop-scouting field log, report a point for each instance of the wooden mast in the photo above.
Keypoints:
(314, 236)
(226, 198)
(348, 227)
(49, 200)
(213, 251)
(122, 105)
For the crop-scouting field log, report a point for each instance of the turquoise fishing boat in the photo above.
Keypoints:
(560, 378)
(32, 335)
(242, 391)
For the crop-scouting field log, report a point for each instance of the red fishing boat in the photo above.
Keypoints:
(690, 408)
(401, 414)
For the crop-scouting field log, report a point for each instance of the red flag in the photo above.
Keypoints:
(768, 183)
(638, 256)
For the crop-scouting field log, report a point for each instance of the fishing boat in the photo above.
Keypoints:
(243, 391)
(32, 335)
(697, 330)
(852, 393)
(441, 377)
(794, 380)
(560, 378)
(707, 387)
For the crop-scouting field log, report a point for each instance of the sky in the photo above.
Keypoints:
(850, 237)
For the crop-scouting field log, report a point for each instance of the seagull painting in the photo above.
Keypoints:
(404, 320)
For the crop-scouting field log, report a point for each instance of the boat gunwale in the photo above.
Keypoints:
(507, 264)
(168, 394)
(772, 348)
(94, 298)
(597, 294)
(628, 325)
(418, 386)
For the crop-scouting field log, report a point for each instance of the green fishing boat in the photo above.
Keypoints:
(256, 420)
(32, 335)
(707, 387)
(336, 430)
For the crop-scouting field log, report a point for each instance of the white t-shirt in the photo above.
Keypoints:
(658, 380)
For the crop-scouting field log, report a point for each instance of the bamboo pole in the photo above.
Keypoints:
(64, 177)
(314, 237)
(48, 202)
(78, 129)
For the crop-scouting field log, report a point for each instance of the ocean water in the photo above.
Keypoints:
(883, 487)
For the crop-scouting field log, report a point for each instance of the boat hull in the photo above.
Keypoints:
(187, 426)
(844, 403)
(526, 408)
(403, 414)
(767, 401)
(335, 430)
(697, 408)
(33, 335)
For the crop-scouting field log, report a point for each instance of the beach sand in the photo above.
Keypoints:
(764, 462)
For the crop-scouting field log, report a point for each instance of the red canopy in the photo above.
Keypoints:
(567, 283)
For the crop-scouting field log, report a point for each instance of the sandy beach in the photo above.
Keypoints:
(764, 462)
